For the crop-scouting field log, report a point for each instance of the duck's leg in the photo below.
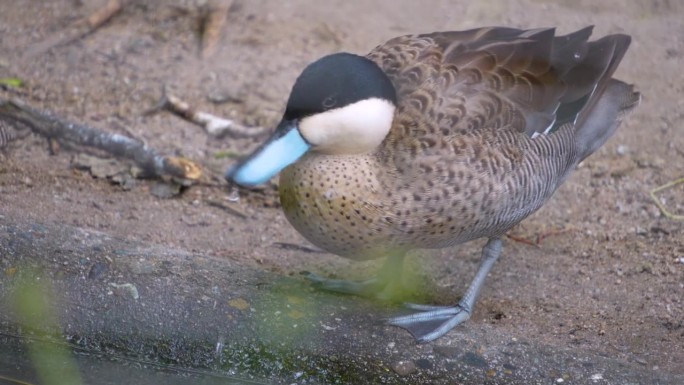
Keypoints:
(431, 322)
(381, 286)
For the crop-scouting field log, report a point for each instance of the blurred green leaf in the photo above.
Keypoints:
(226, 154)
(11, 82)
(35, 302)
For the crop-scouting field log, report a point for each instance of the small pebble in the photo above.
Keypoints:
(126, 287)
(97, 270)
(424, 363)
(165, 190)
(622, 149)
(404, 368)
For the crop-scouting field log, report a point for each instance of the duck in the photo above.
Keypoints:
(433, 140)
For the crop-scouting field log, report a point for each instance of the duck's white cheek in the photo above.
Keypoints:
(352, 129)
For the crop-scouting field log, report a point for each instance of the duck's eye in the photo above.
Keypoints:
(329, 102)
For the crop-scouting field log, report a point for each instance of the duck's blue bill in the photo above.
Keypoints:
(280, 150)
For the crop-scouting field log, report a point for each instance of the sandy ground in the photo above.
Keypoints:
(612, 281)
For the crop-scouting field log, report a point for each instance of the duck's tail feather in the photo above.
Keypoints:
(585, 68)
(602, 117)
(593, 102)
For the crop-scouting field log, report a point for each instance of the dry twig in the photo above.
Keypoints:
(227, 208)
(120, 146)
(213, 26)
(662, 208)
(78, 29)
(536, 240)
(214, 125)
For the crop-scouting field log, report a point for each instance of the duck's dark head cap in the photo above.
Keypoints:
(336, 81)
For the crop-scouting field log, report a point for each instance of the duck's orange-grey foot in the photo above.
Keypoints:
(383, 286)
(430, 322)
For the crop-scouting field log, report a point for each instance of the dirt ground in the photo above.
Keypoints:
(608, 277)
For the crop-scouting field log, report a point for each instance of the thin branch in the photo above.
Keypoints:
(213, 26)
(214, 125)
(226, 208)
(78, 29)
(662, 208)
(536, 240)
(120, 146)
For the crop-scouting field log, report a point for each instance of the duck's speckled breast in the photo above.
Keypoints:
(335, 202)
(343, 205)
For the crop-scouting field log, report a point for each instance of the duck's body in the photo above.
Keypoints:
(461, 160)
(359, 206)
(485, 125)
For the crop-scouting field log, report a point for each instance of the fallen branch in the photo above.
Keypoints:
(214, 125)
(213, 26)
(78, 29)
(662, 208)
(120, 146)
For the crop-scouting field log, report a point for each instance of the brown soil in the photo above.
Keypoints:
(611, 281)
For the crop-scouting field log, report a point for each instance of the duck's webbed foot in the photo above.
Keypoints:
(367, 288)
(428, 323)
(384, 286)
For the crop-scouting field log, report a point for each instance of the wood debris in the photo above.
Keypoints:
(213, 125)
(661, 207)
(227, 208)
(213, 26)
(78, 29)
(537, 239)
(55, 129)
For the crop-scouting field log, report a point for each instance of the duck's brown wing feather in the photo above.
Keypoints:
(528, 81)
